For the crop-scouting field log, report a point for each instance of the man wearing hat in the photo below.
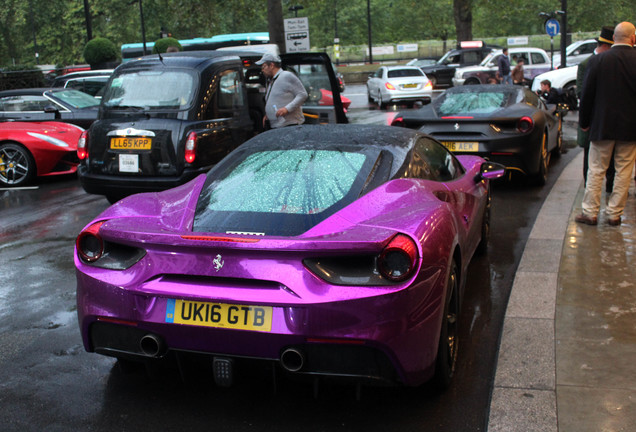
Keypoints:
(284, 95)
(603, 43)
(608, 109)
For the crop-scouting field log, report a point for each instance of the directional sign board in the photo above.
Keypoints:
(296, 34)
(552, 27)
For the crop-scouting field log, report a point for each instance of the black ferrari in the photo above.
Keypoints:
(507, 124)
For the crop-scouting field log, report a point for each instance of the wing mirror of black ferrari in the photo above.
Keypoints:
(491, 171)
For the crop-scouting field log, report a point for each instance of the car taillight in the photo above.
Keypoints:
(429, 85)
(398, 259)
(89, 243)
(191, 147)
(525, 124)
(82, 151)
(398, 121)
(389, 86)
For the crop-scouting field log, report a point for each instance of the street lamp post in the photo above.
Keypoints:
(369, 24)
(143, 27)
(295, 9)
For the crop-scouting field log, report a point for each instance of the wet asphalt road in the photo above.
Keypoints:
(48, 382)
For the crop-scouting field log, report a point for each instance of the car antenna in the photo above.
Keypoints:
(160, 58)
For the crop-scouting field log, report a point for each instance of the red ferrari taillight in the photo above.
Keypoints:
(191, 147)
(398, 259)
(398, 121)
(525, 124)
(82, 151)
(89, 243)
(389, 86)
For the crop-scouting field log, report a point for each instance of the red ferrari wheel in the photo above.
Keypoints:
(17, 167)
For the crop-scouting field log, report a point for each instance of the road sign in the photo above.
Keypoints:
(552, 27)
(296, 34)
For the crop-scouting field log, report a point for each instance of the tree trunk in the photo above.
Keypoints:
(275, 24)
(463, 13)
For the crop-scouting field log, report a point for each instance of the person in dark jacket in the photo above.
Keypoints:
(548, 94)
(503, 67)
(608, 109)
(603, 43)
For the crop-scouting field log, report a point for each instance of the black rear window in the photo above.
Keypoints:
(284, 192)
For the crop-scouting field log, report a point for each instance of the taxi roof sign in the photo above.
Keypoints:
(471, 44)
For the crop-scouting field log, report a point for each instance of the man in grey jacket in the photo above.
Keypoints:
(284, 95)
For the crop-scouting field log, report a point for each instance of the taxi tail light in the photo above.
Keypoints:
(389, 86)
(398, 259)
(89, 243)
(525, 124)
(82, 150)
(191, 147)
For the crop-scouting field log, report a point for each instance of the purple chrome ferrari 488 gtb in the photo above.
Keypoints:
(337, 250)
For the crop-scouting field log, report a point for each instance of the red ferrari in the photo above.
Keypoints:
(30, 149)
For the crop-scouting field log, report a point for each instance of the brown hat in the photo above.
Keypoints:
(607, 35)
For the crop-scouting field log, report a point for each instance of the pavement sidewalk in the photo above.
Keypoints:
(567, 356)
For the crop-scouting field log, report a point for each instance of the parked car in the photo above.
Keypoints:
(421, 62)
(392, 84)
(91, 82)
(165, 120)
(559, 78)
(326, 250)
(575, 53)
(30, 149)
(467, 53)
(508, 124)
(536, 61)
(45, 104)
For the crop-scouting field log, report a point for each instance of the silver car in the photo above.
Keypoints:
(393, 84)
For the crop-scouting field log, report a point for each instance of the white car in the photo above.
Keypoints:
(536, 61)
(575, 53)
(392, 84)
(559, 78)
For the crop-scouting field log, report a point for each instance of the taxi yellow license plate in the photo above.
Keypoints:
(409, 85)
(220, 315)
(461, 146)
(130, 143)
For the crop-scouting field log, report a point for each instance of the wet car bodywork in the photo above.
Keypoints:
(503, 123)
(325, 249)
(30, 149)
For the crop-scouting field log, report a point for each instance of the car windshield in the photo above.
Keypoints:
(475, 103)
(76, 98)
(402, 73)
(151, 89)
(283, 191)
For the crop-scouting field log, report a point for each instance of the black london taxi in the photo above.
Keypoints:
(164, 119)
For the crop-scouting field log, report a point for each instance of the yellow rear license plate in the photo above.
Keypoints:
(220, 315)
(131, 143)
(461, 146)
(409, 85)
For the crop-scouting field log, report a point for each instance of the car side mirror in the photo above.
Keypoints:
(490, 171)
(51, 109)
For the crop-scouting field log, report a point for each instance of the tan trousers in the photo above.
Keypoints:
(600, 153)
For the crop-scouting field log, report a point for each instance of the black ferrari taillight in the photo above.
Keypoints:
(398, 259)
(89, 243)
(525, 124)
(398, 121)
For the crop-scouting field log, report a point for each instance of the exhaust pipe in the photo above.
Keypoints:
(151, 345)
(292, 359)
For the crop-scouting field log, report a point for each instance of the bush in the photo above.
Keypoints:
(100, 50)
(162, 45)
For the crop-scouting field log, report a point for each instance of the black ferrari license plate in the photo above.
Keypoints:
(457, 146)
